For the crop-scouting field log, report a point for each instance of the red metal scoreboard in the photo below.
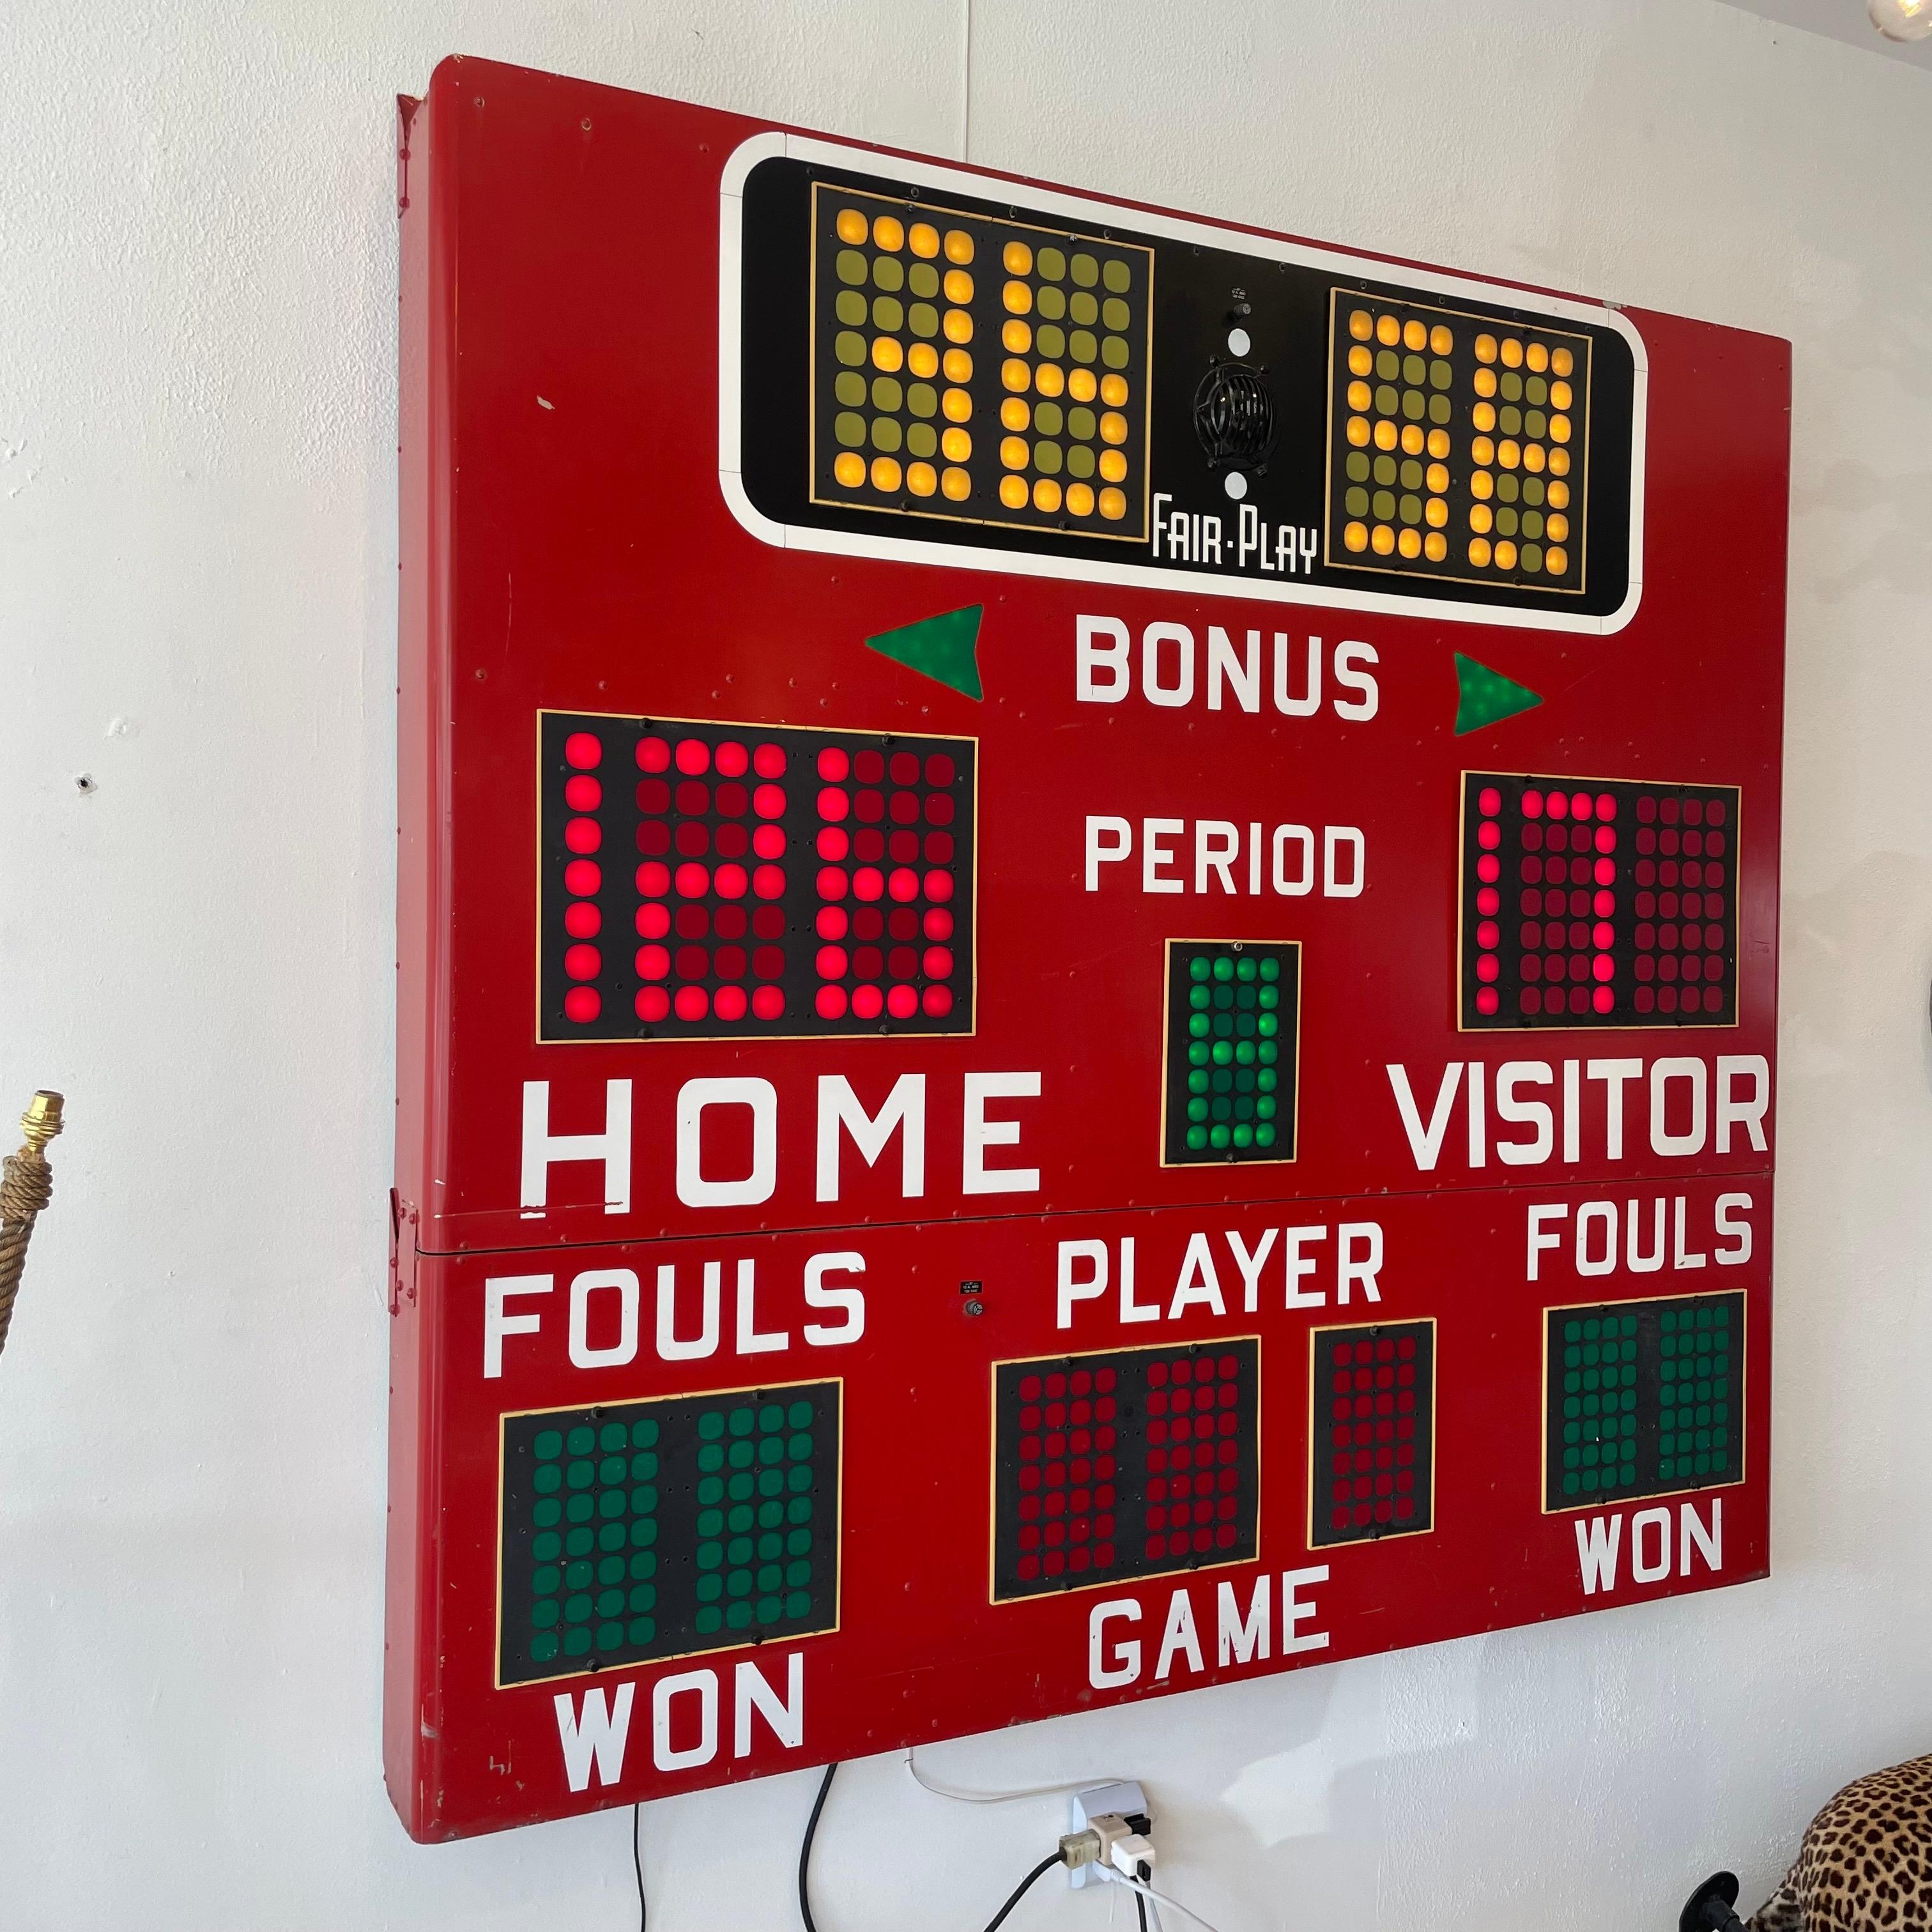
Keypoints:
(1087, 952)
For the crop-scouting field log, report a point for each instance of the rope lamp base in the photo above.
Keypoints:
(26, 1186)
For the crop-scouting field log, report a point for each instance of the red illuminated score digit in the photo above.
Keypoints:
(708, 873)
(1597, 903)
(885, 883)
(786, 881)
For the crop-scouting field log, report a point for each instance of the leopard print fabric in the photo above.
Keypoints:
(1866, 1862)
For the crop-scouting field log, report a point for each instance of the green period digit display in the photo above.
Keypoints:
(1232, 1021)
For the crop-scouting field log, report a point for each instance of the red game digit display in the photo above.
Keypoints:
(1088, 935)
(1106, 1467)
(1372, 1432)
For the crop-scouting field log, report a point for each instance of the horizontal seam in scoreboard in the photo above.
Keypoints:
(1224, 1205)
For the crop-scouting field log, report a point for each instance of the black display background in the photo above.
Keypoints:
(1650, 1482)
(677, 1516)
(617, 898)
(1624, 921)
(1322, 1533)
(1131, 1476)
(1193, 296)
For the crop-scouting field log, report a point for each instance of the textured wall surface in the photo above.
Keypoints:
(197, 566)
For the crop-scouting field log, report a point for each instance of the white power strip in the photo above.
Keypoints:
(1110, 1813)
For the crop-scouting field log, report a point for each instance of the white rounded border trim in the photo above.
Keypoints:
(775, 144)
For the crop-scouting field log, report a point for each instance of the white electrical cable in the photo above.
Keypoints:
(1159, 1899)
(1003, 1797)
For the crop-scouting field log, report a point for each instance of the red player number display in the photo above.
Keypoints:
(1087, 925)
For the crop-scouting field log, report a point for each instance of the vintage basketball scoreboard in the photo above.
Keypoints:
(1088, 941)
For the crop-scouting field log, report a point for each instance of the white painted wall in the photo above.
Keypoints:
(197, 564)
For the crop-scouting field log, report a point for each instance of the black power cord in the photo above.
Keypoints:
(999, 1918)
(1140, 1910)
(805, 1851)
(1020, 1891)
(637, 1865)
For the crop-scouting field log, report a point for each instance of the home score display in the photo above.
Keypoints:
(1086, 934)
